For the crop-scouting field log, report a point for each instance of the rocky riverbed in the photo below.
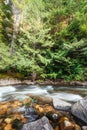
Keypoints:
(36, 107)
(43, 113)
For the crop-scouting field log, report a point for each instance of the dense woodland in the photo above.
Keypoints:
(44, 39)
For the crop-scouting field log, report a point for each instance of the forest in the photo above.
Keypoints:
(44, 39)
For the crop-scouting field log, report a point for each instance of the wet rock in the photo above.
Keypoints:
(63, 118)
(66, 125)
(41, 99)
(30, 110)
(1, 120)
(27, 101)
(8, 120)
(53, 116)
(50, 112)
(17, 103)
(44, 109)
(60, 104)
(8, 127)
(79, 109)
(77, 127)
(17, 124)
(20, 109)
(31, 114)
(57, 128)
(41, 124)
(31, 117)
(78, 83)
(84, 127)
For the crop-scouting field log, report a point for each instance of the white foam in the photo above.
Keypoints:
(37, 91)
(49, 88)
(67, 96)
(6, 90)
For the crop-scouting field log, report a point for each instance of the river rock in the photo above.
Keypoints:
(60, 104)
(84, 127)
(41, 124)
(31, 114)
(79, 109)
(66, 125)
(77, 127)
(78, 83)
(41, 99)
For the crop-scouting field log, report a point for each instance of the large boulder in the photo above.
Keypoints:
(79, 109)
(60, 104)
(41, 124)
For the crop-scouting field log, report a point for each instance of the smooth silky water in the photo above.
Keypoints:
(70, 94)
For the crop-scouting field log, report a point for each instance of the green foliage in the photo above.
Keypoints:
(6, 22)
(51, 41)
(5, 61)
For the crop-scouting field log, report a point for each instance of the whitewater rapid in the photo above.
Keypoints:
(70, 94)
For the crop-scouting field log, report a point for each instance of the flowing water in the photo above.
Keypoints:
(71, 94)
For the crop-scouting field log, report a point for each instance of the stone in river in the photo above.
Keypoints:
(30, 114)
(66, 124)
(60, 104)
(84, 127)
(41, 124)
(79, 109)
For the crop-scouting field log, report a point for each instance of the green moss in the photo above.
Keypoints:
(11, 75)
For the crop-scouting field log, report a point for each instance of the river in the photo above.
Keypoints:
(70, 94)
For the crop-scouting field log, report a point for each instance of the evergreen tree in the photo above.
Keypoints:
(44, 38)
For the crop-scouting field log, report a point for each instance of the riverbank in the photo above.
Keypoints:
(59, 82)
